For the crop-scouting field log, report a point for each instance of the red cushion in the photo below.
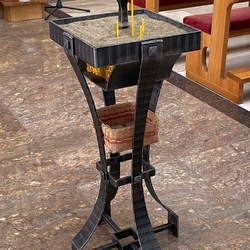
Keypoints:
(240, 19)
(142, 3)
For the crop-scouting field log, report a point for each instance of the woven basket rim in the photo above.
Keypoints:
(118, 138)
(154, 119)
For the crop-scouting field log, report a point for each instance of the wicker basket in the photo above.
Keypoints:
(117, 126)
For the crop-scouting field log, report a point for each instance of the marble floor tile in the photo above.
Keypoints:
(48, 178)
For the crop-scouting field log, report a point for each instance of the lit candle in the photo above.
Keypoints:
(141, 32)
(143, 25)
(132, 19)
(117, 29)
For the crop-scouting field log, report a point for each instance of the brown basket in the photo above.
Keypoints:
(117, 126)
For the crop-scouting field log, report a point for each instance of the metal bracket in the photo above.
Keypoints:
(68, 44)
(137, 179)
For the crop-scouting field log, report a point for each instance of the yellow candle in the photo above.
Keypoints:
(143, 25)
(141, 33)
(132, 19)
(132, 28)
(132, 7)
(117, 29)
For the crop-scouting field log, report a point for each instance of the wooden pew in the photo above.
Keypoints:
(162, 5)
(225, 23)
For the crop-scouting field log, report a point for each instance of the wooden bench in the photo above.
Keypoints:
(162, 5)
(241, 75)
(13, 10)
(217, 28)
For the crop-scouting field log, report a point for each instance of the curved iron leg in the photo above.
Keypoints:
(172, 217)
(90, 226)
(109, 99)
(151, 59)
(88, 229)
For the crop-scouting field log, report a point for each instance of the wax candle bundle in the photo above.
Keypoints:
(103, 72)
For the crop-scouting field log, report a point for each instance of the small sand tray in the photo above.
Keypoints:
(117, 126)
(177, 37)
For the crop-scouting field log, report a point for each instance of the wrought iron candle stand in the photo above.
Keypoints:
(145, 64)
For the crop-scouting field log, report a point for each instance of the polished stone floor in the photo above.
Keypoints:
(48, 180)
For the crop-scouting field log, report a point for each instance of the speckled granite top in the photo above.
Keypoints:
(102, 32)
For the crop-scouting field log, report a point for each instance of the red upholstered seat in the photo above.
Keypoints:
(142, 3)
(240, 19)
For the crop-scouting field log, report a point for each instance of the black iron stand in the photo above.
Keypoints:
(148, 90)
(58, 6)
